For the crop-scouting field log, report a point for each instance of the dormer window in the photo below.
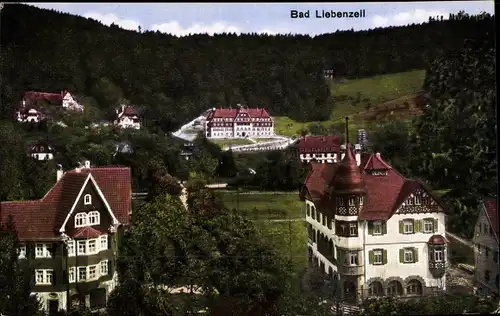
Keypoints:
(87, 199)
(94, 218)
(352, 201)
(80, 220)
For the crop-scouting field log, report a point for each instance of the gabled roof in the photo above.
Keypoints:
(309, 144)
(491, 208)
(384, 194)
(86, 233)
(233, 113)
(128, 111)
(41, 219)
(376, 163)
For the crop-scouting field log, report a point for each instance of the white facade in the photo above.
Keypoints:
(32, 116)
(330, 157)
(69, 103)
(42, 156)
(239, 123)
(389, 245)
(127, 120)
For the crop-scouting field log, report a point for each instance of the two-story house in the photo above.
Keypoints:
(486, 274)
(127, 117)
(71, 235)
(372, 230)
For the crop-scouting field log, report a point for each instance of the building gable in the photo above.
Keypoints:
(80, 198)
(414, 198)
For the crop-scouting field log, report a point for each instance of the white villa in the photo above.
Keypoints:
(372, 230)
(239, 123)
(127, 117)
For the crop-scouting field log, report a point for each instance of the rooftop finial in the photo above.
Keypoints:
(346, 131)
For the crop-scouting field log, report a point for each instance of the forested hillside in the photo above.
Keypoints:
(173, 79)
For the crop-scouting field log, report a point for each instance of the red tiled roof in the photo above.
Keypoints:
(491, 208)
(376, 163)
(384, 194)
(322, 144)
(128, 111)
(41, 219)
(232, 113)
(437, 240)
(86, 233)
(33, 96)
(348, 178)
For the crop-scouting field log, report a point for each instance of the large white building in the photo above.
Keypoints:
(239, 123)
(372, 230)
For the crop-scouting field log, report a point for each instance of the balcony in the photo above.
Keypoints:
(437, 269)
(351, 270)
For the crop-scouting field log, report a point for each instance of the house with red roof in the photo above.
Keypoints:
(486, 274)
(240, 122)
(372, 230)
(70, 236)
(323, 149)
(127, 117)
(31, 107)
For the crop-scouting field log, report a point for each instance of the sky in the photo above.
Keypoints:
(182, 19)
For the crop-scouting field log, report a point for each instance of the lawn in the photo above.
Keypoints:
(266, 205)
(226, 142)
(356, 98)
(290, 238)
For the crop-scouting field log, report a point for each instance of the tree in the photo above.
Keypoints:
(15, 276)
(226, 167)
(455, 143)
(11, 169)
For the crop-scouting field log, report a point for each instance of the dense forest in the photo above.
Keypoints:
(172, 79)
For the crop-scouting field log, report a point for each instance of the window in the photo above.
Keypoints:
(418, 200)
(82, 273)
(313, 212)
(353, 230)
(44, 277)
(94, 218)
(87, 199)
(377, 257)
(408, 227)
(71, 247)
(80, 219)
(104, 242)
(49, 250)
(39, 277)
(408, 255)
(324, 220)
(352, 259)
(487, 275)
(410, 200)
(92, 272)
(377, 228)
(351, 202)
(428, 226)
(318, 217)
(361, 201)
(414, 287)
(82, 247)
(438, 255)
(104, 267)
(22, 252)
(71, 274)
(39, 251)
(92, 247)
(491, 231)
(485, 228)
(340, 201)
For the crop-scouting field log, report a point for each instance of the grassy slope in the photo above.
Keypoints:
(268, 206)
(374, 92)
(226, 142)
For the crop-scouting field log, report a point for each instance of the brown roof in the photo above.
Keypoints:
(41, 219)
(129, 111)
(384, 194)
(348, 178)
(490, 206)
(437, 240)
(232, 113)
(322, 144)
(32, 97)
(86, 233)
(376, 163)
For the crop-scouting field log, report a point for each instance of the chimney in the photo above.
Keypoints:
(357, 153)
(378, 155)
(87, 164)
(59, 172)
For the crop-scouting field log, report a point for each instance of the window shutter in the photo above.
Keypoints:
(384, 227)
(435, 226)
(401, 227)
(370, 228)
(415, 255)
(401, 255)
(371, 257)
(384, 256)
(416, 226)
